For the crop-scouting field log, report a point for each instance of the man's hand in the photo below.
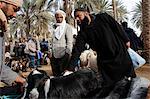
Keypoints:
(128, 44)
(67, 72)
(21, 80)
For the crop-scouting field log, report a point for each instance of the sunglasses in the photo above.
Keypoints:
(16, 9)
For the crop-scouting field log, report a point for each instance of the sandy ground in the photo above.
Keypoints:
(143, 71)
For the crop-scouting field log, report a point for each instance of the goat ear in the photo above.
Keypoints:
(30, 77)
(47, 87)
(95, 53)
(88, 55)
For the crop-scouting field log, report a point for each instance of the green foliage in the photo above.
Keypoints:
(33, 18)
(137, 15)
(121, 11)
(97, 6)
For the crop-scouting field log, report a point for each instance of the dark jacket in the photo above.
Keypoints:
(108, 39)
(135, 41)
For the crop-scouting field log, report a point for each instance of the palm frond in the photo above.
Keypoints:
(40, 4)
(137, 15)
(33, 18)
(121, 11)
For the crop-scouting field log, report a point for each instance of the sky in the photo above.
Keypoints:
(130, 4)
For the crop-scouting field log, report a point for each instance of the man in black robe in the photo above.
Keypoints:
(108, 39)
(135, 42)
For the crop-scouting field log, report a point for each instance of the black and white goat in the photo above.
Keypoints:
(76, 85)
(81, 84)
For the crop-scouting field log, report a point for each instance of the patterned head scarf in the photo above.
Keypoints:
(17, 3)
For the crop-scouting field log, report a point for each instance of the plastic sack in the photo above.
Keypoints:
(137, 60)
(39, 54)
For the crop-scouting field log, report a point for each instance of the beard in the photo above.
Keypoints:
(83, 23)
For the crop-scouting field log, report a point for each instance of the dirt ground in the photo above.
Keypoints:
(143, 71)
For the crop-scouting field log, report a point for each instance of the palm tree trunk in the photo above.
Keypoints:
(27, 22)
(114, 9)
(146, 28)
(68, 9)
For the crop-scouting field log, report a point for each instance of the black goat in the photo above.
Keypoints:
(81, 84)
(76, 85)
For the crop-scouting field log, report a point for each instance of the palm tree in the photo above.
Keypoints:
(98, 6)
(114, 9)
(105, 6)
(137, 15)
(67, 7)
(17, 25)
(121, 11)
(70, 5)
(34, 18)
(146, 28)
(95, 6)
(102, 6)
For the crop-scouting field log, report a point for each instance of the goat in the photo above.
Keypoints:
(88, 59)
(139, 88)
(76, 85)
(132, 89)
(81, 84)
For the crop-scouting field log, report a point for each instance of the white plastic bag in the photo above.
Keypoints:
(137, 60)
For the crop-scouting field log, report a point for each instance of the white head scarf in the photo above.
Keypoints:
(60, 29)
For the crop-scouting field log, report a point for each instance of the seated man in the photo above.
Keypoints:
(8, 9)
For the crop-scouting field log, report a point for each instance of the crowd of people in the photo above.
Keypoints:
(101, 32)
(31, 49)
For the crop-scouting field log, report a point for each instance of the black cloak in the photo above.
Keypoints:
(108, 39)
(135, 41)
